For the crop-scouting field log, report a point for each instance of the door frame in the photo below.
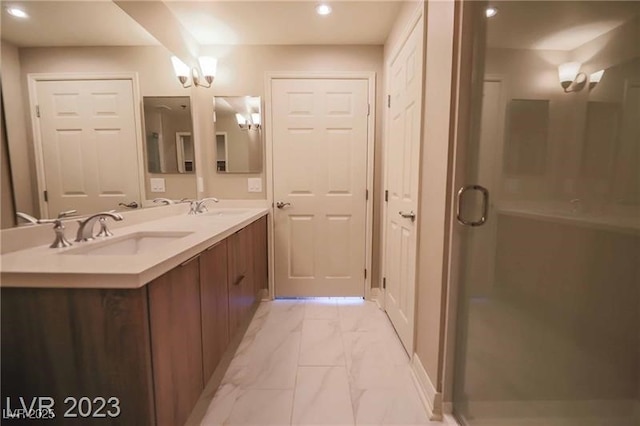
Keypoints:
(370, 77)
(32, 82)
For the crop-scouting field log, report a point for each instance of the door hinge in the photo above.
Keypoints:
(384, 283)
(46, 196)
(366, 194)
(38, 111)
(365, 273)
(388, 101)
(386, 195)
(368, 110)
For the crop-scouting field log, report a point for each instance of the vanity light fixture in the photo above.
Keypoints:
(323, 9)
(17, 12)
(571, 79)
(246, 124)
(595, 78)
(208, 67)
(490, 12)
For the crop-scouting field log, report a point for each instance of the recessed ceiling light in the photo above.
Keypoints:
(323, 9)
(491, 12)
(17, 12)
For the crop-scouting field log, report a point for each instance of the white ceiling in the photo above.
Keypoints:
(555, 25)
(103, 23)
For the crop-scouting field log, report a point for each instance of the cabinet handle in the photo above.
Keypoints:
(191, 259)
(239, 280)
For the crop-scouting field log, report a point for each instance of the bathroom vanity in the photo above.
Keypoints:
(143, 331)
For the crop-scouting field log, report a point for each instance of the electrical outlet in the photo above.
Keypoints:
(254, 184)
(157, 184)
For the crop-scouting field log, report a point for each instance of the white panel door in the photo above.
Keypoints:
(319, 174)
(403, 161)
(89, 144)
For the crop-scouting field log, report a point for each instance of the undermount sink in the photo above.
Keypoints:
(225, 212)
(136, 243)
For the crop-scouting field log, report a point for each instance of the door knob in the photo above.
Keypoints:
(282, 205)
(411, 215)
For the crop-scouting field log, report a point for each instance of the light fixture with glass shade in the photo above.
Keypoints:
(571, 79)
(208, 67)
(255, 120)
(595, 78)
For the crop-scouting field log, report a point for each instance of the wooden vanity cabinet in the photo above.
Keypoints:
(153, 347)
(214, 303)
(176, 342)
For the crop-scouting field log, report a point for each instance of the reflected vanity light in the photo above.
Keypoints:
(245, 124)
(323, 9)
(490, 12)
(208, 67)
(571, 79)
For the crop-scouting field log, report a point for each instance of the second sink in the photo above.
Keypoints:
(127, 244)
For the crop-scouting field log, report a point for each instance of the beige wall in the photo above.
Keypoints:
(432, 245)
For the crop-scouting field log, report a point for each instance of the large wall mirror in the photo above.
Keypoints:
(238, 125)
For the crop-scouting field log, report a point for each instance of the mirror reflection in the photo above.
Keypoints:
(238, 125)
(169, 144)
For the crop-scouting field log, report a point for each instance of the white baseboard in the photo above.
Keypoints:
(431, 398)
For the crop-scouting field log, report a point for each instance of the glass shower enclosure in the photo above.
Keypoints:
(549, 285)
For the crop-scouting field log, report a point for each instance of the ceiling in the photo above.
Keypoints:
(555, 25)
(103, 23)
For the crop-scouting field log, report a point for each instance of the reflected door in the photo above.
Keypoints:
(89, 145)
(320, 168)
(548, 320)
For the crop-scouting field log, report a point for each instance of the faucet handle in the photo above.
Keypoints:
(104, 230)
(67, 213)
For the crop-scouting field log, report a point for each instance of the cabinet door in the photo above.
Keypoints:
(260, 258)
(214, 296)
(176, 342)
(240, 276)
(78, 342)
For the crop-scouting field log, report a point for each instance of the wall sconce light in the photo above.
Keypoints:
(208, 67)
(572, 80)
(595, 78)
(246, 124)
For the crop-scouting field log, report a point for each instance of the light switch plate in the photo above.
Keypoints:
(157, 184)
(254, 184)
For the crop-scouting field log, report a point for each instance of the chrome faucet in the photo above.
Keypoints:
(164, 201)
(198, 207)
(27, 217)
(85, 227)
(60, 240)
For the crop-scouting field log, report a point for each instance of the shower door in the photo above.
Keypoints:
(548, 232)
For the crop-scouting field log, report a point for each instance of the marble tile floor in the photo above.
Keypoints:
(318, 362)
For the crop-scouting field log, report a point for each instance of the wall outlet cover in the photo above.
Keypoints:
(157, 184)
(254, 184)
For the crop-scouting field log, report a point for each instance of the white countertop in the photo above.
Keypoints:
(55, 268)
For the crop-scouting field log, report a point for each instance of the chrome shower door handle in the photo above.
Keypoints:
(485, 205)
(282, 205)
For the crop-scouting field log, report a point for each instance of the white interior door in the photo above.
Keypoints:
(403, 161)
(89, 144)
(320, 175)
